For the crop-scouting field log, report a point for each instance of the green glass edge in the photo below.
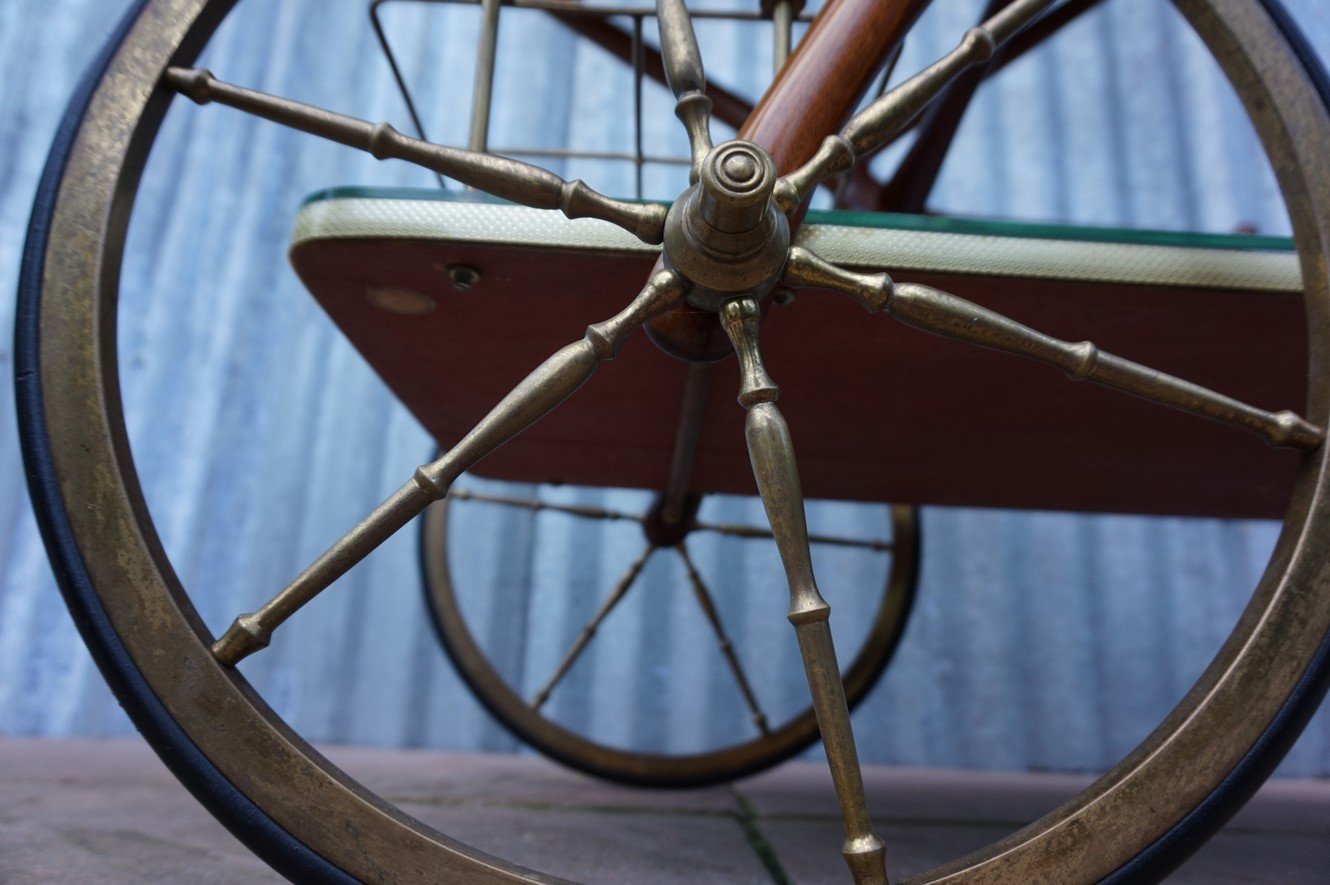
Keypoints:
(896, 221)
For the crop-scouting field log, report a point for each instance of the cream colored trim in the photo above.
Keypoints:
(858, 247)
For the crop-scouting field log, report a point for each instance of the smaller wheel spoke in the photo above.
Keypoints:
(876, 124)
(708, 605)
(500, 176)
(757, 532)
(580, 643)
(685, 76)
(549, 384)
(728, 107)
(585, 511)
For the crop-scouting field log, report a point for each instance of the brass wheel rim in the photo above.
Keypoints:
(654, 769)
(1180, 763)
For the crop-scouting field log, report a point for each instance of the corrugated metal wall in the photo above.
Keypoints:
(1039, 640)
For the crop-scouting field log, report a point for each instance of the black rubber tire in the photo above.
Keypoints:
(1169, 851)
(246, 819)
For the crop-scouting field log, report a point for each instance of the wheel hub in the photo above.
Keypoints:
(726, 235)
(661, 530)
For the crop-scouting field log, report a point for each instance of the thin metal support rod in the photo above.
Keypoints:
(727, 106)
(888, 69)
(483, 96)
(382, 36)
(696, 393)
(551, 383)
(772, 453)
(589, 630)
(782, 23)
(638, 152)
(500, 176)
(708, 605)
(585, 511)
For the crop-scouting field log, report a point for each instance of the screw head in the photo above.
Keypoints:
(463, 276)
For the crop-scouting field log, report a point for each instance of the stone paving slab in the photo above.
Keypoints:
(416, 775)
(809, 849)
(603, 847)
(918, 794)
(108, 811)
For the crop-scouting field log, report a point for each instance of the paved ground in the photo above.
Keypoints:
(108, 811)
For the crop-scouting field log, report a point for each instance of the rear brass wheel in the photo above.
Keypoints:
(311, 820)
(755, 738)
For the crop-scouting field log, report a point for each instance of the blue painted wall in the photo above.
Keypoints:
(1040, 640)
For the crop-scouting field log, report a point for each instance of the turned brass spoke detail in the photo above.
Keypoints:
(708, 606)
(590, 511)
(757, 532)
(551, 383)
(953, 317)
(684, 74)
(584, 511)
(884, 118)
(499, 176)
(772, 453)
(579, 645)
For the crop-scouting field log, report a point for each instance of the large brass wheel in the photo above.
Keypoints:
(311, 820)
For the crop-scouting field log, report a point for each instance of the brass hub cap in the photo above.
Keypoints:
(725, 235)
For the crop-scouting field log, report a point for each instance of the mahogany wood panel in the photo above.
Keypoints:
(878, 411)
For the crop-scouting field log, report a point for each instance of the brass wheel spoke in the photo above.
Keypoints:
(551, 383)
(913, 180)
(708, 605)
(772, 453)
(752, 531)
(876, 124)
(953, 317)
(585, 511)
(1041, 30)
(684, 74)
(500, 176)
(580, 643)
